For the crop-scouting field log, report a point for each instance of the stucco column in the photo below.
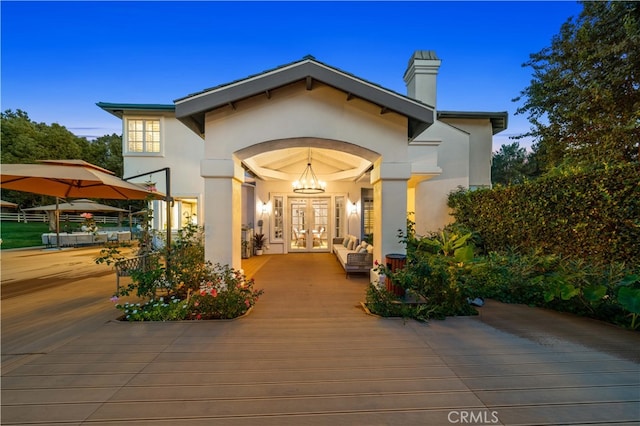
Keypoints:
(390, 207)
(222, 221)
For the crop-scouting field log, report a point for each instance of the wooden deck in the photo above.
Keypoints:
(254, 263)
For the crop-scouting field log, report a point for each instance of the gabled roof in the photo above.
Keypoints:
(119, 109)
(498, 119)
(192, 108)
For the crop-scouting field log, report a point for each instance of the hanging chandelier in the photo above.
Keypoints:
(308, 183)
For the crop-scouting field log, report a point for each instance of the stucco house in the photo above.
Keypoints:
(237, 153)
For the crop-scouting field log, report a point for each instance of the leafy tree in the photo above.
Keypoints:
(512, 165)
(583, 102)
(25, 141)
(20, 140)
(106, 151)
(508, 164)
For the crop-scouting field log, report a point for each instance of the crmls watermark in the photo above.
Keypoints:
(474, 417)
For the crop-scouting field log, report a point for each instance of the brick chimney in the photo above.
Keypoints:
(421, 76)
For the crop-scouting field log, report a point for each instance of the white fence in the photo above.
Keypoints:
(64, 217)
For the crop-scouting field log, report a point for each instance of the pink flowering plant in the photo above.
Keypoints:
(225, 293)
(89, 222)
(187, 287)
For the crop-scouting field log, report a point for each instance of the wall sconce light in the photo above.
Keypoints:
(353, 208)
(264, 208)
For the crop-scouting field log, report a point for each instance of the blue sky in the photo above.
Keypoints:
(60, 58)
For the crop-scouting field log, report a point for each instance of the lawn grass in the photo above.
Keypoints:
(19, 234)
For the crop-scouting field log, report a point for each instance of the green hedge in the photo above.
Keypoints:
(591, 215)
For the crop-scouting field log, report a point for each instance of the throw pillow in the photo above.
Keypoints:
(346, 240)
(370, 249)
(351, 244)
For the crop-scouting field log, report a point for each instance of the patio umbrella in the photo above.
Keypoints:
(81, 205)
(70, 179)
(4, 203)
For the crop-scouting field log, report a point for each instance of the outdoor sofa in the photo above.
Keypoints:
(354, 256)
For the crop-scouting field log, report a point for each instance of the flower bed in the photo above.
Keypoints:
(192, 289)
(215, 300)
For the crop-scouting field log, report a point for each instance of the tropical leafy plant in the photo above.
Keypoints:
(433, 274)
(629, 298)
(258, 241)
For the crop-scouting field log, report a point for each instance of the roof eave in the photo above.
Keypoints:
(118, 109)
(499, 120)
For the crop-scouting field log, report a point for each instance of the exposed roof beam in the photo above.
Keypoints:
(309, 82)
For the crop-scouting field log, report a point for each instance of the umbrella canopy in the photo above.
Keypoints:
(78, 206)
(4, 203)
(71, 179)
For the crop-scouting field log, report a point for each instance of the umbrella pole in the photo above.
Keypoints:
(58, 223)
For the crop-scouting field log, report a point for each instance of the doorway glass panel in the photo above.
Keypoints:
(309, 222)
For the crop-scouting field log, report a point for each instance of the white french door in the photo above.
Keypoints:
(309, 224)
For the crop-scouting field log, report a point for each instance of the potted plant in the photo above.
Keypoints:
(245, 249)
(258, 243)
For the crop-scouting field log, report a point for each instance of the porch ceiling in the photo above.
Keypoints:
(287, 164)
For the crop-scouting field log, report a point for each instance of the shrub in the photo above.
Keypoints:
(382, 302)
(511, 278)
(226, 294)
(154, 310)
(438, 281)
(196, 289)
(433, 274)
(591, 215)
(187, 267)
(562, 284)
(567, 241)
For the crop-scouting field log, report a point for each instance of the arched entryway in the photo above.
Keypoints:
(224, 179)
(299, 222)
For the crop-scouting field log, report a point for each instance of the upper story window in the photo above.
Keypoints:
(143, 136)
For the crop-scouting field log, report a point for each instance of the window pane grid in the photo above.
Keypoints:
(339, 206)
(143, 135)
(278, 212)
